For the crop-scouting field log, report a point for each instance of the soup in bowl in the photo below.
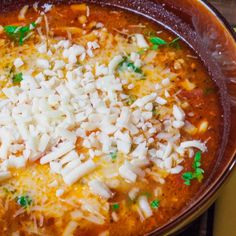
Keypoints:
(109, 123)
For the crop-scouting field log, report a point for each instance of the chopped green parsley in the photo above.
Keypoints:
(187, 177)
(155, 112)
(127, 64)
(197, 173)
(155, 204)
(158, 42)
(24, 201)
(175, 43)
(131, 99)
(17, 78)
(113, 155)
(19, 33)
(115, 206)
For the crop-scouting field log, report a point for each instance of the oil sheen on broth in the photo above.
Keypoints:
(109, 124)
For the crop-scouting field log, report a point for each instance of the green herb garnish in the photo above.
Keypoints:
(127, 64)
(187, 177)
(131, 99)
(175, 43)
(113, 155)
(24, 201)
(17, 78)
(158, 42)
(197, 173)
(134, 68)
(155, 112)
(115, 207)
(19, 33)
(155, 204)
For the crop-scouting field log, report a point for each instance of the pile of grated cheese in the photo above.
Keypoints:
(70, 92)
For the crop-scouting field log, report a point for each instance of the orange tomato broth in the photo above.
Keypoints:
(176, 196)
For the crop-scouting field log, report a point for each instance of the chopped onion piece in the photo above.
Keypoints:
(144, 206)
(141, 42)
(99, 188)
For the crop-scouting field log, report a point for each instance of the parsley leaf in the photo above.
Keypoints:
(17, 78)
(127, 64)
(157, 42)
(19, 33)
(113, 155)
(24, 201)
(131, 99)
(155, 204)
(187, 177)
(198, 172)
(133, 67)
(197, 160)
(175, 43)
(115, 207)
(155, 112)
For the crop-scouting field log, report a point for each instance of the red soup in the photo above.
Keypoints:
(109, 124)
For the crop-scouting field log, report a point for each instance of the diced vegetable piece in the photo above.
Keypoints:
(203, 126)
(144, 206)
(99, 188)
